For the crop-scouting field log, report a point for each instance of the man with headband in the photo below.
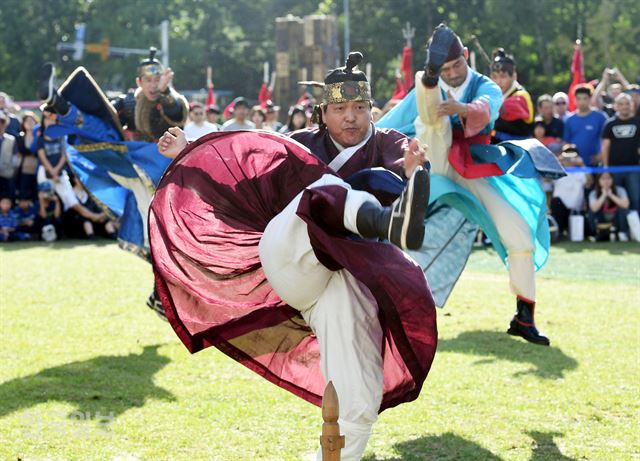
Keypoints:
(352, 320)
(120, 175)
(346, 138)
(146, 112)
(453, 109)
(516, 115)
(451, 97)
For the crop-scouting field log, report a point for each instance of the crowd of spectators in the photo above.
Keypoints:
(41, 199)
(39, 196)
(602, 132)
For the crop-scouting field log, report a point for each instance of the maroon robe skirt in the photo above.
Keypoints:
(205, 223)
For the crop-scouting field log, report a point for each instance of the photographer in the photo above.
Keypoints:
(604, 100)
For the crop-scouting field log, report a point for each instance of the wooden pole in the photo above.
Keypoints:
(331, 441)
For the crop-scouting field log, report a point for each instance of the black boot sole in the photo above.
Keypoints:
(517, 332)
(411, 233)
(418, 210)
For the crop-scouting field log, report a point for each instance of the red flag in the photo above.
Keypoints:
(400, 91)
(264, 95)
(406, 68)
(577, 71)
(404, 77)
(227, 113)
(211, 97)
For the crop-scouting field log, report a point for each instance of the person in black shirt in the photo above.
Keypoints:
(620, 147)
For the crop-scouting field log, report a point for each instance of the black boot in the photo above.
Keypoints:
(523, 324)
(437, 51)
(48, 93)
(154, 303)
(403, 222)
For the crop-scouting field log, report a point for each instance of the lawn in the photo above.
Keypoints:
(89, 373)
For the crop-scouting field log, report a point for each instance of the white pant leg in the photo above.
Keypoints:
(286, 254)
(514, 233)
(345, 321)
(341, 312)
(143, 198)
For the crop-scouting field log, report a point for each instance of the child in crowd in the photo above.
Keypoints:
(8, 222)
(25, 213)
(49, 218)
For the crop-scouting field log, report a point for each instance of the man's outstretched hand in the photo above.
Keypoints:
(172, 142)
(414, 156)
(451, 106)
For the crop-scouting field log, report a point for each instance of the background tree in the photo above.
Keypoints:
(236, 37)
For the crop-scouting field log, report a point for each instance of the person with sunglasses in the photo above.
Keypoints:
(561, 106)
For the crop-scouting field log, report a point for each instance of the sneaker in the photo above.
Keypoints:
(154, 303)
(45, 83)
(406, 225)
(623, 237)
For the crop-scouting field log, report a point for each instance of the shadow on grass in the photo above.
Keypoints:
(445, 447)
(545, 448)
(105, 385)
(548, 362)
(614, 248)
(58, 245)
(451, 447)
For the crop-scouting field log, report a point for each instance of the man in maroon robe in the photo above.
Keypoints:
(264, 251)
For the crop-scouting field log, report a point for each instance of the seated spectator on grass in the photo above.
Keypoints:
(49, 219)
(54, 170)
(8, 221)
(78, 226)
(608, 208)
(25, 213)
(568, 191)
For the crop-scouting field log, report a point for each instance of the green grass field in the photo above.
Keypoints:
(89, 373)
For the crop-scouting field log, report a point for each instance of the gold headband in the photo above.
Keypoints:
(150, 69)
(334, 93)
